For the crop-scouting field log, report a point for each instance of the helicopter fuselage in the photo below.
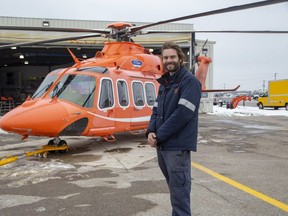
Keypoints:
(113, 92)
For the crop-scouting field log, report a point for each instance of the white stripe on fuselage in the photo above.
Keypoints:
(136, 119)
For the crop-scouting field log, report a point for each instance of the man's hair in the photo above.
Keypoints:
(172, 45)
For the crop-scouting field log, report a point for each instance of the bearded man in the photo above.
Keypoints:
(173, 126)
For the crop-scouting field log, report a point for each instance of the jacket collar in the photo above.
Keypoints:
(166, 79)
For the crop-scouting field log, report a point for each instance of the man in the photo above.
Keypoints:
(173, 126)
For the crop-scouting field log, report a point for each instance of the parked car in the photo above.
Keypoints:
(256, 96)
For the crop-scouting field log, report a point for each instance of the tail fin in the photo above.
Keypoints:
(201, 73)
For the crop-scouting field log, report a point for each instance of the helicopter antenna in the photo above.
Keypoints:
(74, 57)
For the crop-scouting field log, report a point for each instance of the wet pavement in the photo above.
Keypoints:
(122, 178)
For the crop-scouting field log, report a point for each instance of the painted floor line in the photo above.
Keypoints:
(242, 187)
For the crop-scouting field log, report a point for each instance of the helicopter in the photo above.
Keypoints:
(110, 93)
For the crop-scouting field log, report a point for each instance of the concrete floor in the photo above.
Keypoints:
(123, 178)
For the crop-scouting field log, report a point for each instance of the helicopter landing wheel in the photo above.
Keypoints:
(54, 142)
(51, 143)
(63, 143)
(58, 143)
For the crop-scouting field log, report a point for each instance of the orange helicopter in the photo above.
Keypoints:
(110, 93)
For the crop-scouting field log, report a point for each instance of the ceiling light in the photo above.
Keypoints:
(26, 62)
(45, 24)
(14, 48)
(21, 56)
(84, 56)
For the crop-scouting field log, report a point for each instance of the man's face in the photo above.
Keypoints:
(171, 60)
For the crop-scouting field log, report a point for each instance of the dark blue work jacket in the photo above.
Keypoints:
(175, 113)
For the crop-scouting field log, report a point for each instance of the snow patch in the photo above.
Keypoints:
(248, 111)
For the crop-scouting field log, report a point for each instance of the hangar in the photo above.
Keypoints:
(23, 68)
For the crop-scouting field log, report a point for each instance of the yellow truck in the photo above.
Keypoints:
(276, 96)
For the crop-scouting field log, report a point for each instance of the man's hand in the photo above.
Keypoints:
(152, 140)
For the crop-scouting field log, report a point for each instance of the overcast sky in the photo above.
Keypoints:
(245, 59)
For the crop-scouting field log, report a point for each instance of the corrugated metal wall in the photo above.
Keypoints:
(38, 22)
(21, 36)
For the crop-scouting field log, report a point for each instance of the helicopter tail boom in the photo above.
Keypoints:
(201, 73)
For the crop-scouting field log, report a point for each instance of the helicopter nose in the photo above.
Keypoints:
(37, 118)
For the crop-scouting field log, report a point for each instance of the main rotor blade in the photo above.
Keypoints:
(48, 41)
(209, 13)
(246, 31)
(217, 31)
(52, 29)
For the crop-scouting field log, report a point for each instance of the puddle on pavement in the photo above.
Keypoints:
(80, 158)
(119, 150)
(142, 144)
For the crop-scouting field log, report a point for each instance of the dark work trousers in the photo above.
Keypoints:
(176, 167)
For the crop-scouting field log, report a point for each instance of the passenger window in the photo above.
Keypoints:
(106, 94)
(138, 93)
(122, 93)
(150, 93)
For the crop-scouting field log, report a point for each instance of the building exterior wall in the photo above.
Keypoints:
(84, 24)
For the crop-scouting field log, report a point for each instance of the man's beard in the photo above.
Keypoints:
(172, 66)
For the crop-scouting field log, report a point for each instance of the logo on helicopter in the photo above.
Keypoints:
(136, 63)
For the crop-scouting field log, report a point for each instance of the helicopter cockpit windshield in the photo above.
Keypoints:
(47, 82)
(77, 89)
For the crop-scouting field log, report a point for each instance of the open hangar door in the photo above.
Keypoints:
(23, 70)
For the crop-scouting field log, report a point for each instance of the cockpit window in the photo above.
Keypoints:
(47, 82)
(78, 89)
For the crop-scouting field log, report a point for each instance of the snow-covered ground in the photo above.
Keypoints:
(248, 111)
(3, 132)
(239, 111)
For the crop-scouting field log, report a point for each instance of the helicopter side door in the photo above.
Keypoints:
(104, 123)
(123, 107)
(143, 97)
(138, 103)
